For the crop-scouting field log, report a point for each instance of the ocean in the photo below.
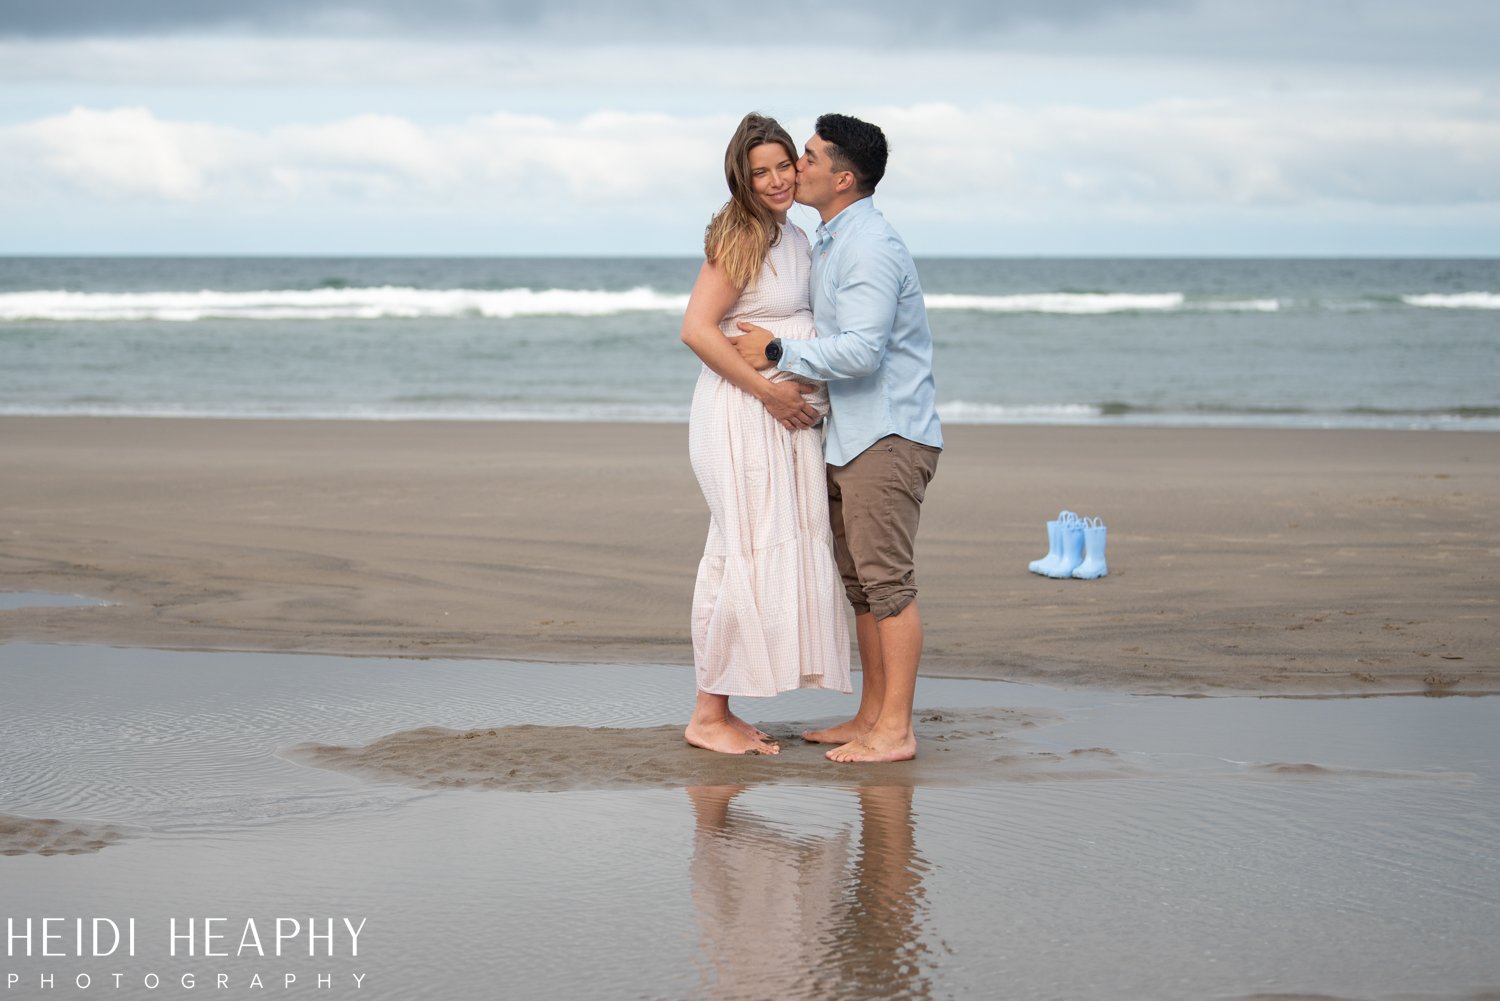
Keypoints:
(1202, 342)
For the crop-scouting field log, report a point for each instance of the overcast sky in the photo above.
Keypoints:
(1116, 127)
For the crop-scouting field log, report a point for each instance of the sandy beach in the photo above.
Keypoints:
(1289, 562)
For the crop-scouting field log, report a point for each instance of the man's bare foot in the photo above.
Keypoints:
(748, 729)
(724, 737)
(873, 747)
(843, 733)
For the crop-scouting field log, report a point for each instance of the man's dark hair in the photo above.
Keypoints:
(858, 147)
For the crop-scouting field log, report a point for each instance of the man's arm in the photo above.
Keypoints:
(714, 295)
(867, 297)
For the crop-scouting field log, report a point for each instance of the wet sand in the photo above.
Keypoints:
(1244, 846)
(960, 747)
(1288, 562)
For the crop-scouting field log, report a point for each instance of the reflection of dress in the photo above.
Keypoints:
(768, 610)
(767, 904)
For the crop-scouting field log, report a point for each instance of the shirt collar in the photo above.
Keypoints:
(830, 229)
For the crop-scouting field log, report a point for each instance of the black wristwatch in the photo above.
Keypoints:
(773, 350)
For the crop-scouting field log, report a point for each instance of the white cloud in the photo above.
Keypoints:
(1181, 153)
(995, 162)
(1167, 152)
(122, 152)
(501, 158)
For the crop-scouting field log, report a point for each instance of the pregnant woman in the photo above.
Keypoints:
(768, 610)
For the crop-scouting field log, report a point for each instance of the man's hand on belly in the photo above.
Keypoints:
(752, 344)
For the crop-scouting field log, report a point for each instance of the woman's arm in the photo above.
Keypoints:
(713, 297)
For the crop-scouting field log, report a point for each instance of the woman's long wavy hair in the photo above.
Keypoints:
(740, 234)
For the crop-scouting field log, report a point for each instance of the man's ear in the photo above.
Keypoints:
(845, 181)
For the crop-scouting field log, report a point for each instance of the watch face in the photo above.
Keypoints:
(773, 351)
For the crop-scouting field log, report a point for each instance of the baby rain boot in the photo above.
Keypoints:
(1054, 545)
(1093, 565)
(1072, 550)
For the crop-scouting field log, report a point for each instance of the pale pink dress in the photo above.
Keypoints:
(768, 607)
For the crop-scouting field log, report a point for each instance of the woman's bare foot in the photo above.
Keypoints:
(726, 738)
(877, 748)
(842, 733)
(748, 729)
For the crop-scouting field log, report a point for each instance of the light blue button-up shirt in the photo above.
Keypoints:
(874, 347)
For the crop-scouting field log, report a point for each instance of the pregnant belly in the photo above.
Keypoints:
(790, 328)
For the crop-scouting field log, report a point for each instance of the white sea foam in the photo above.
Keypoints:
(1089, 303)
(1060, 302)
(955, 413)
(397, 302)
(385, 302)
(963, 412)
(1459, 300)
(672, 413)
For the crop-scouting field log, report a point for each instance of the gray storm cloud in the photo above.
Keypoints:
(1438, 33)
(893, 19)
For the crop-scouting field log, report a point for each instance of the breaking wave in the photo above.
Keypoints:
(400, 302)
(1458, 300)
(384, 302)
(1088, 303)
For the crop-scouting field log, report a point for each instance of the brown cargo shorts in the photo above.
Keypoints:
(874, 504)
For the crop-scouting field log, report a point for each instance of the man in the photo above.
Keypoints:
(874, 349)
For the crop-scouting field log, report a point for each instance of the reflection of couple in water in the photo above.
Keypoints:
(783, 915)
(813, 435)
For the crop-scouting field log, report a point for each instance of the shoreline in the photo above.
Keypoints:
(1486, 686)
(1100, 417)
(1243, 561)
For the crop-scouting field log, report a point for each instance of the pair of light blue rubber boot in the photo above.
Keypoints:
(1075, 548)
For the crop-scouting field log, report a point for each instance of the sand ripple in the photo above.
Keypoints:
(40, 836)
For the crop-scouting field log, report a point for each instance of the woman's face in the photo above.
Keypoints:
(773, 177)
